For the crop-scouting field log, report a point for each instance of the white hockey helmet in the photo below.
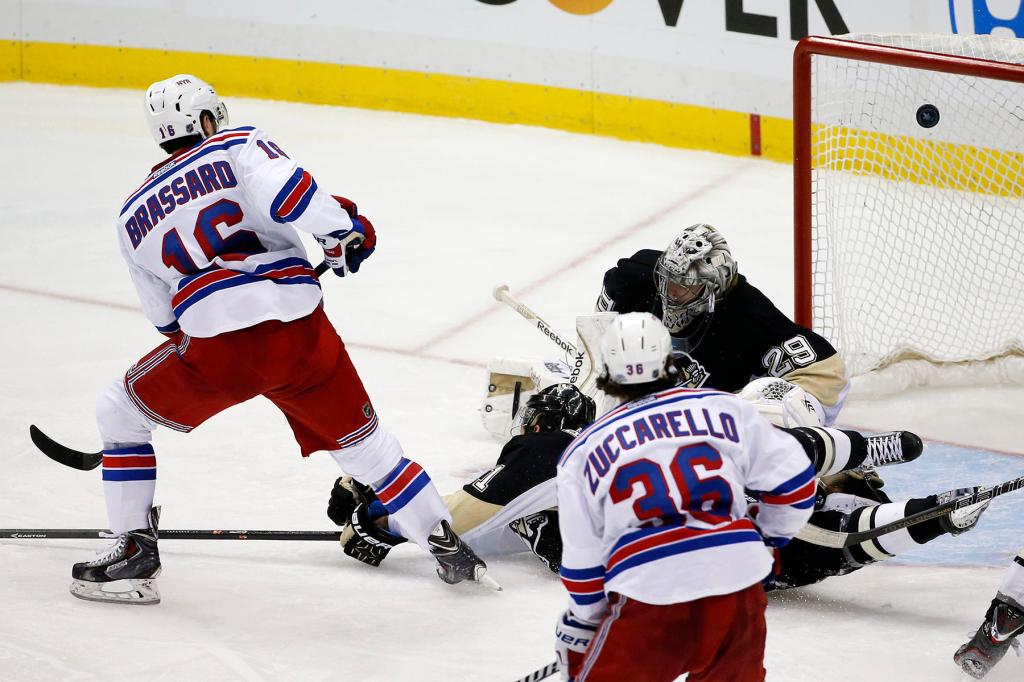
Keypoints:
(635, 349)
(695, 270)
(173, 107)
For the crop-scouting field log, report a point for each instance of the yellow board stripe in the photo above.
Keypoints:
(628, 118)
(938, 164)
(932, 163)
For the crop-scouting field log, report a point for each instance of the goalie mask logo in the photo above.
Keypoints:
(367, 410)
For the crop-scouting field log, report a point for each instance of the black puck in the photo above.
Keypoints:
(928, 116)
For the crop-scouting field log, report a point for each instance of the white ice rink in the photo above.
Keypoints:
(459, 207)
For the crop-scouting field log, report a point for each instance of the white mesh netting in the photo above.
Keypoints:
(918, 232)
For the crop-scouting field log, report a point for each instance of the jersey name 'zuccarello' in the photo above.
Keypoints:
(669, 424)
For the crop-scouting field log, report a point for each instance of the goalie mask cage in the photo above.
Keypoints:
(909, 197)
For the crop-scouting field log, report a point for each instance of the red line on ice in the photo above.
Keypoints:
(583, 257)
(135, 309)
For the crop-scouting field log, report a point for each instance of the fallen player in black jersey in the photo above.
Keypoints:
(516, 498)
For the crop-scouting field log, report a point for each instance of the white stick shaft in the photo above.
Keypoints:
(501, 293)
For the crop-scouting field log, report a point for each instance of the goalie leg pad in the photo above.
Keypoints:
(783, 403)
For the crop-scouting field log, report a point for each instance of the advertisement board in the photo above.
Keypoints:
(710, 74)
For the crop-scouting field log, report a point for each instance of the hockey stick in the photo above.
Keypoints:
(76, 459)
(579, 358)
(502, 293)
(840, 540)
(541, 674)
(101, 533)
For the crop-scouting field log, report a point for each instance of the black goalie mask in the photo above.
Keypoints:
(561, 407)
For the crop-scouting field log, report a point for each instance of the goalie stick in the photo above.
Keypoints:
(502, 294)
(103, 534)
(840, 540)
(541, 673)
(588, 328)
(87, 461)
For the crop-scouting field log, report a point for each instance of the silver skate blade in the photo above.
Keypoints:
(132, 591)
(488, 581)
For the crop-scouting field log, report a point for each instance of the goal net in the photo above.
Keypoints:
(909, 189)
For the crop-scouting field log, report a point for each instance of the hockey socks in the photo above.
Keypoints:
(897, 542)
(413, 504)
(129, 483)
(836, 450)
(828, 449)
(1013, 581)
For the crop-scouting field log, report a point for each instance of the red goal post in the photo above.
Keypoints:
(862, 150)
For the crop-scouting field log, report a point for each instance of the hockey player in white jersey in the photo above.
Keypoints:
(210, 239)
(1004, 622)
(662, 562)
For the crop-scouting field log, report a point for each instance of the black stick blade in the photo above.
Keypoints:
(83, 461)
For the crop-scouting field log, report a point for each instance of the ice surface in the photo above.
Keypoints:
(460, 206)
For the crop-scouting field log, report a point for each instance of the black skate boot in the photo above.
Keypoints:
(126, 573)
(456, 561)
(1003, 622)
(895, 447)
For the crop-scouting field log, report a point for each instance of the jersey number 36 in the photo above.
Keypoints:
(707, 498)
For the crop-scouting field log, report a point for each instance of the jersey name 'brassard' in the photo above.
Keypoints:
(747, 337)
(208, 236)
(651, 499)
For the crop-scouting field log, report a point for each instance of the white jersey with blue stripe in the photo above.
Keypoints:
(209, 237)
(651, 500)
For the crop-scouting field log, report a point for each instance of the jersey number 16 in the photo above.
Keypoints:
(237, 246)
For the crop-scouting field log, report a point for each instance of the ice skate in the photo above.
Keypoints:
(992, 640)
(895, 447)
(965, 518)
(126, 573)
(456, 561)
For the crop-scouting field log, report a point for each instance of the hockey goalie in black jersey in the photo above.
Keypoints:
(514, 502)
(725, 332)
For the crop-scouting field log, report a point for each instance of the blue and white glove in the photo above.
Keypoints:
(345, 250)
(572, 638)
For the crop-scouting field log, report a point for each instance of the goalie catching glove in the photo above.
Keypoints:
(783, 403)
(345, 250)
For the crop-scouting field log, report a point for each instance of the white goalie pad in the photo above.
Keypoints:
(783, 403)
(587, 363)
(510, 383)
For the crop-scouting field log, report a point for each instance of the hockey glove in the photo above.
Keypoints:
(364, 540)
(345, 250)
(572, 637)
(346, 495)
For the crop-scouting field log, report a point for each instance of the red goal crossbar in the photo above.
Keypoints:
(802, 122)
